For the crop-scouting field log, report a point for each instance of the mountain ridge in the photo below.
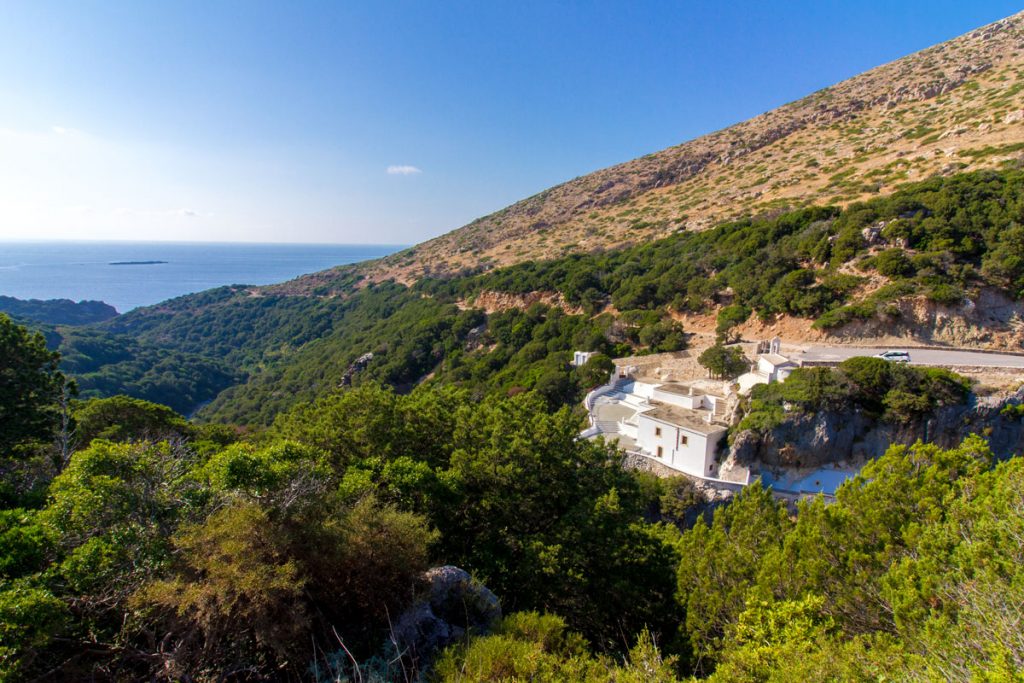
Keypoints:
(955, 106)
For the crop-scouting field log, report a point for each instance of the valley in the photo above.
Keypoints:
(747, 409)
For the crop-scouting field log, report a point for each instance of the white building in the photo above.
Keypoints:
(775, 367)
(580, 358)
(770, 367)
(678, 425)
(679, 438)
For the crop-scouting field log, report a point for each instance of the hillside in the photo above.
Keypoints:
(404, 471)
(952, 107)
(935, 262)
(928, 147)
(57, 311)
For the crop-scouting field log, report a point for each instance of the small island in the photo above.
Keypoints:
(136, 263)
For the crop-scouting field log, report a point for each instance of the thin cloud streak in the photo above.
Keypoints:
(403, 170)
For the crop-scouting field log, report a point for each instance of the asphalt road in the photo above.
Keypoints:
(939, 357)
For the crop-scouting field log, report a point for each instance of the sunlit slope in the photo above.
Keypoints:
(956, 106)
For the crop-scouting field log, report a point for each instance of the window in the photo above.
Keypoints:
(683, 440)
(657, 431)
(660, 451)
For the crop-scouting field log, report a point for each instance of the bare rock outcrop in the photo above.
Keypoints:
(829, 437)
(493, 302)
(990, 320)
(455, 604)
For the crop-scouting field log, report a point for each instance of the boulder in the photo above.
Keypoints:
(454, 605)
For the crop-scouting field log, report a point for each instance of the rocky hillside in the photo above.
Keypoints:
(850, 438)
(956, 106)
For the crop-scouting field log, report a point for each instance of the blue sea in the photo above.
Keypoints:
(83, 270)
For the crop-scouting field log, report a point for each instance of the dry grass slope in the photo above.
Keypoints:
(956, 106)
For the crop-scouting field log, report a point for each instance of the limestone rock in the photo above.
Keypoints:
(826, 437)
(455, 604)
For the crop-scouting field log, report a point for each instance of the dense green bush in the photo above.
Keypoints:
(289, 556)
(894, 263)
(724, 362)
(892, 392)
(944, 238)
(122, 418)
(728, 318)
(30, 385)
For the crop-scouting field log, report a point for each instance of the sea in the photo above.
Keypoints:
(151, 272)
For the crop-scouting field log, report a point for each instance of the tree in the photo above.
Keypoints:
(31, 617)
(30, 387)
(555, 387)
(122, 418)
(663, 336)
(724, 362)
(595, 371)
(238, 592)
(842, 550)
(722, 561)
(550, 521)
(728, 318)
(768, 636)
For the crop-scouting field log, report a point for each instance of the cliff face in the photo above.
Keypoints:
(826, 437)
(991, 320)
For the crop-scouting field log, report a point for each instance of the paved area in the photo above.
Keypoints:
(938, 357)
(612, 412)
(622, 440)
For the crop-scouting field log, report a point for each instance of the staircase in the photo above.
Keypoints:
(607, 426)
(611, 389)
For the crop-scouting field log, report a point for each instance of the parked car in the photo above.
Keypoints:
(894, 356)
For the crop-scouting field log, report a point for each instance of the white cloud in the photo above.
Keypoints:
(403, 170)
(159, 213)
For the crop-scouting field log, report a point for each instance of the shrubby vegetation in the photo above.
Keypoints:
(531, 646)
(105, 364)
(418, 340)
(891, 392)
(57, 311)
(306, 348)
(940, 238)
(943, 238)
(240, 555)
(30, 387)
(161, 550)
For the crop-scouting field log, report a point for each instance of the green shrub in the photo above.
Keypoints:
(724, 362)
(894, 263)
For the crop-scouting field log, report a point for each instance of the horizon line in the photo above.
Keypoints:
(65, 240)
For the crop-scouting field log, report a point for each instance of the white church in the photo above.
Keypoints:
(677, 424)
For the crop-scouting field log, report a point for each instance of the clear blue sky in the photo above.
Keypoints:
(388, 122)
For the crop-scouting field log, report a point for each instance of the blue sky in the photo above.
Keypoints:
(388, 122)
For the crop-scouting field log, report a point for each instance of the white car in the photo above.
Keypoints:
(894, 356)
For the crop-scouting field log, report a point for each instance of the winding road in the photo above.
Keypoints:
(937, 357)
